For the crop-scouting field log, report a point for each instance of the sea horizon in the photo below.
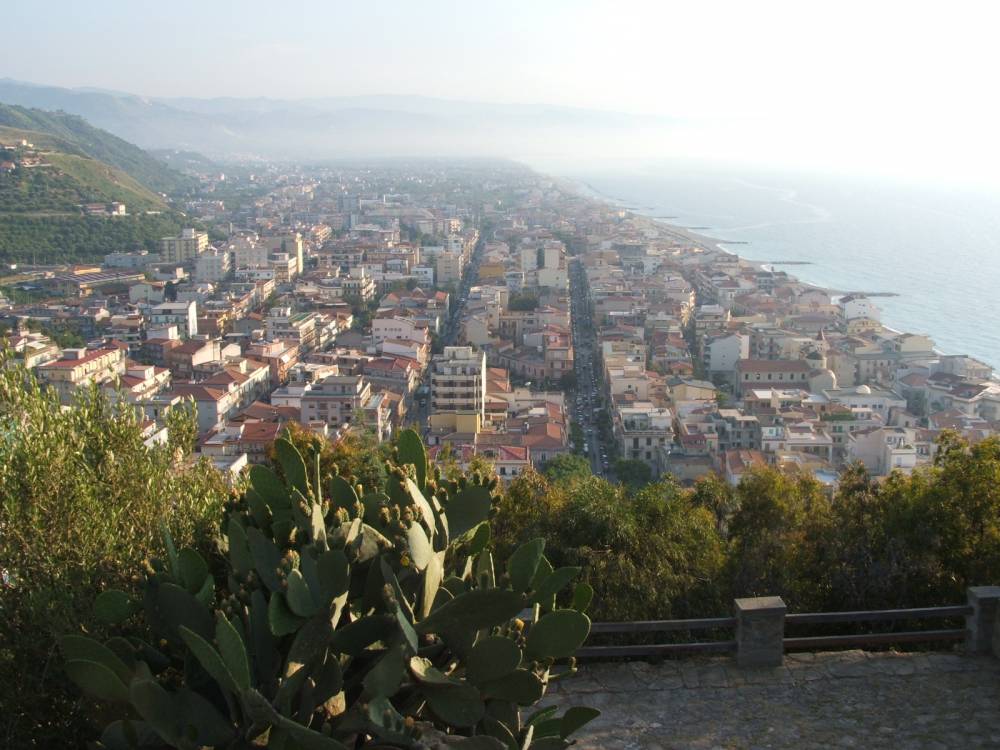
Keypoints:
(851, 234)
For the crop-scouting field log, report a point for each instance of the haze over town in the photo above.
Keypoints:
(889, 88)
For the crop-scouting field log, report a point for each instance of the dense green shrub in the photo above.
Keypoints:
(663, 551)
(82, 503)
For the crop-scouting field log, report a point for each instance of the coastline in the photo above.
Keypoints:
(701, 241)
(711, 244)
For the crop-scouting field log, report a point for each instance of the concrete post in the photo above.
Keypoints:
(760, 628)
(980, 624)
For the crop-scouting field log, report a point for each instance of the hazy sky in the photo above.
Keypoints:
(841, 83)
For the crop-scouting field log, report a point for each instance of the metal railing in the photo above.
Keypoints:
(661, 626)
(877, 615)
(810, 642)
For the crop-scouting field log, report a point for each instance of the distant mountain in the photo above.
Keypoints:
(71, 134)
(332, 127)
(184, 161)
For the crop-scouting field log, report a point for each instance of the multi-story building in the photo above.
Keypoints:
(250, 438)
(129, 329)
(391, 326)
(138, 383)
(723, 351)
(767, 373)
(449, 267)
(190, 243)
(298, 328)
(193, 358)
(644, 433)
(184, 315)
(458, 381)
(338, 400)
(32, 349)
(359, 285)
(289, 243)
(213, 266)
(81, 367)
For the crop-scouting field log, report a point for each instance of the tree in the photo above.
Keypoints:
(772, 533)
(654, 555)
(358, 454)
(82, 504)
(958, 503)
(713, 493)
(181, 422)
(522, 302)
(568, 381)
(861, 561)
(633, 472)
(566, 468)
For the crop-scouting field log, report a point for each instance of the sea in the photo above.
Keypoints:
(937, 248)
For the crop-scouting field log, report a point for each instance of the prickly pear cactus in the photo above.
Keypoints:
(343, 616)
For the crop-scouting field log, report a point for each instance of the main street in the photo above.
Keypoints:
(586, 400)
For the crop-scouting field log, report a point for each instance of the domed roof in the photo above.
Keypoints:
(864, 390)
(814, 355)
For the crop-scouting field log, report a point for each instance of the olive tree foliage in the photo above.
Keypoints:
(648, 554)
(82, 502)
(662, 551)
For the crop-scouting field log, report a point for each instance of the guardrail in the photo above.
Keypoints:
(661, 626)
(759, 637)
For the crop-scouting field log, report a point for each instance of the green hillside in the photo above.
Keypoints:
(74, 135)
(67, 180)
(67, 239)
(72, 164)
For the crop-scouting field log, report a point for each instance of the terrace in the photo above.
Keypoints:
(784, 689)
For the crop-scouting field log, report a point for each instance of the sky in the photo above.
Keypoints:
(849, 85)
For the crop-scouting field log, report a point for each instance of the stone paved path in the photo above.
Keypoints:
(823, 700)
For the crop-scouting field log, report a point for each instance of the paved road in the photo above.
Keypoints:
(586, 401)
(841, 699)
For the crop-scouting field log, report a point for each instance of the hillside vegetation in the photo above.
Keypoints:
(83, 502)
(40, 206)
(51, 239)
(71, 134)
(68, 181)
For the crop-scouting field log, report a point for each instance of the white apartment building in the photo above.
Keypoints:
(722, 352)
(398, 327)
(248, 253)
(213, 266)
(458, 381)
(184, 315)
